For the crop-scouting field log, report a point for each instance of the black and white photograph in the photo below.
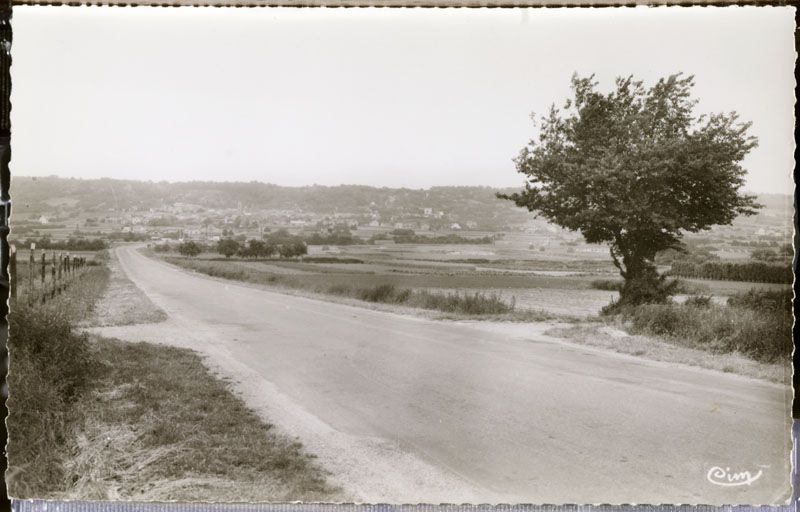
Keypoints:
(401, 256)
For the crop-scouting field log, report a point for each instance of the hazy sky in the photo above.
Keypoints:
(394, 97)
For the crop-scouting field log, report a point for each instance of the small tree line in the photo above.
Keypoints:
(757, 272)
(280, 243)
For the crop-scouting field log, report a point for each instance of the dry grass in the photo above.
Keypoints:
(763, 334)
(379, 290)
(668, 350)
(123, 303)
(160, 427)
(103, 419)
(315, 277)
(50, 369)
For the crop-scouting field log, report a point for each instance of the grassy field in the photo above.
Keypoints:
(460, 294)
(94, 418)
(565, 285)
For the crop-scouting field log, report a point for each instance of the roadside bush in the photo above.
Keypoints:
(470, 304)
(763, 300)
(700, 301)
(762, 335)
(225, 273)
(380, 293)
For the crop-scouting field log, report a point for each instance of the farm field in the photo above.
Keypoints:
(561, 285)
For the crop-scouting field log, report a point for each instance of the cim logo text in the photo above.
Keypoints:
(727, 478)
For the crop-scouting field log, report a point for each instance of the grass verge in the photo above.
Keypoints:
(610, 337)
(751, 335)
(452, 306)
(50, 368)
(159, 426)
(93, 418)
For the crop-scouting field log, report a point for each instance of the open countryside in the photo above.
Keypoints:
(317, 319)
(362, 237)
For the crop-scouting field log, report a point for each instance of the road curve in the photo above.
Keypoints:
(459, 411)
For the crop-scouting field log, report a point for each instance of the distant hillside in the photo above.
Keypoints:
(35, 196)
(53, 195)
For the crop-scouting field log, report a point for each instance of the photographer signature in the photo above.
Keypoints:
(727, 478)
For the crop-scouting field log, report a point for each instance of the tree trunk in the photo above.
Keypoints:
(642, 282)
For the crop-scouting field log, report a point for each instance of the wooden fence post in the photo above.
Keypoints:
(44, 286)
(53, 274)
(31, 270)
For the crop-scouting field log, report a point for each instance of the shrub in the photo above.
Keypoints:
(612, 285)
(190, 249)
(380, 293)
(470, 304)
(700, 301)
(763, 300)
(762, 335)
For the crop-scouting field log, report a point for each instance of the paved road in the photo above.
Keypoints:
(504, 411)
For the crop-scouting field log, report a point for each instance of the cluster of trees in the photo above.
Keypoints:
(334, 237)
(190, 248)
(70, 244)
(757, 272)
(260, 248)
(280, 242)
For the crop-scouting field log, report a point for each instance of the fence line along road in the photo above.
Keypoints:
(55, 274)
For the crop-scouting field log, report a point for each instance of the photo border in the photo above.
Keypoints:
(6, 37)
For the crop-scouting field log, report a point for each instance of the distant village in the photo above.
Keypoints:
(347, 214)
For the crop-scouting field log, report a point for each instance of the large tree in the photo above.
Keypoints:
(635, 168)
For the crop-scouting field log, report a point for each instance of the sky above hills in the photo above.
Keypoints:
(383, 97)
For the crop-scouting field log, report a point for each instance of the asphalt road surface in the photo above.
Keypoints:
(414, 410)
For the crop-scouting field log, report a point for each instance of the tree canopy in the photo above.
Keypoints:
(636, 168)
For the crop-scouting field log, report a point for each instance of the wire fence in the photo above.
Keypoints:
(43, 276)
